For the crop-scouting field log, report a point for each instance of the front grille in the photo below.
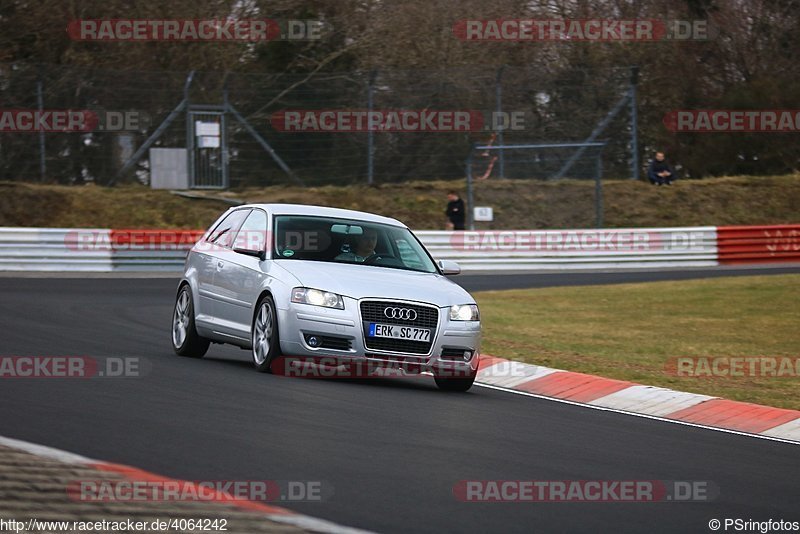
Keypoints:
(373, 312)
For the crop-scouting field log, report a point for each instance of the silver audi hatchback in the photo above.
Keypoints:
(297, 284)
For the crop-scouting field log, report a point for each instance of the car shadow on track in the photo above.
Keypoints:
(408, 382)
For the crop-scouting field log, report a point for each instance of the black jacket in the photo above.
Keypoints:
(657, 167)
(455, 212)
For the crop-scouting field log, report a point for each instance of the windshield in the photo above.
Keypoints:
(328, 239)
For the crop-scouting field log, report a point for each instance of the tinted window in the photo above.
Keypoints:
(225, 230)
(356, 242)
(253, 233)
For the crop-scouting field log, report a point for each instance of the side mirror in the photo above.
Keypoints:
(260, 254)
(449, 267)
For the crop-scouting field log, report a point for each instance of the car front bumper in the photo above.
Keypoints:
(455, 347)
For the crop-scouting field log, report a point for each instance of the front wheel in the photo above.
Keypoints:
(449, 383)
(185, 339)
(266, 346)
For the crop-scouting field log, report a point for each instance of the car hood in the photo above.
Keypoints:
(362, 281)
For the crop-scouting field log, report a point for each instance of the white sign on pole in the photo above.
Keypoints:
(205, 129)
(208, 142)
(483, 214)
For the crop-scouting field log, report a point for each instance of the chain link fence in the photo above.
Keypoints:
(511, 105)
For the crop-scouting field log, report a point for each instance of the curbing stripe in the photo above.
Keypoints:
(272, 513)
(519, 375)
(790, 430)
(135, 474)
(642, 415)
(508, 373)
(650, 400)
(577, 387)
(44, 451)
(737, 415)
(637, 399)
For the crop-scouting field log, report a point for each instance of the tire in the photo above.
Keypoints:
(455, 384)
(185, 339)
(264, 335)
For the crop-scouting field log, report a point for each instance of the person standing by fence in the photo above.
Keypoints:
(456, 212)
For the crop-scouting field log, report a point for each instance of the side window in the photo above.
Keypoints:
(253, 233)
(224, 231)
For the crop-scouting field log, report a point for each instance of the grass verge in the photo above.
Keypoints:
(517, 203)
(630, 331)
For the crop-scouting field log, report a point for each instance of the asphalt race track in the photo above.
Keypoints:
(391, 450)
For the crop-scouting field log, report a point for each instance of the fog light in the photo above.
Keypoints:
(313, 341)
(454, 354)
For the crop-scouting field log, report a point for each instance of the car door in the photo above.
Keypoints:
(218, 243)
(204, 262)
(240, 279)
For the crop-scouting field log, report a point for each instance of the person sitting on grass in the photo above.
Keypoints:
(659, 172)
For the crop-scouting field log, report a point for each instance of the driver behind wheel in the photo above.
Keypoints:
(363, 249)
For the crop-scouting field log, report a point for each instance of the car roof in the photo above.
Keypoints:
(323, 211)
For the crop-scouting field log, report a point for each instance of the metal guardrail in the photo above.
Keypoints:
(522, 250)
(96, 249)
(759, 244)
(50, 249)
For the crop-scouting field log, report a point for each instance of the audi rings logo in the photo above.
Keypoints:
(405, 314)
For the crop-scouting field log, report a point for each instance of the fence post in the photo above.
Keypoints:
(499, 107)
(226, 178)
(189, 132)
(470, 211)
(370, 134)
(598, 191)
(634, 124)
(40, 101)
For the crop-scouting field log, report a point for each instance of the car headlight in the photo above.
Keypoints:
(317, 297)
(465, 312)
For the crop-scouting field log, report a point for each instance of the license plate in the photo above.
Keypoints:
(399, 332)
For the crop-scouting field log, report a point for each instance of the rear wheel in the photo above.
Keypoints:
(266, 346)
(185, 339)
(449, 383)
